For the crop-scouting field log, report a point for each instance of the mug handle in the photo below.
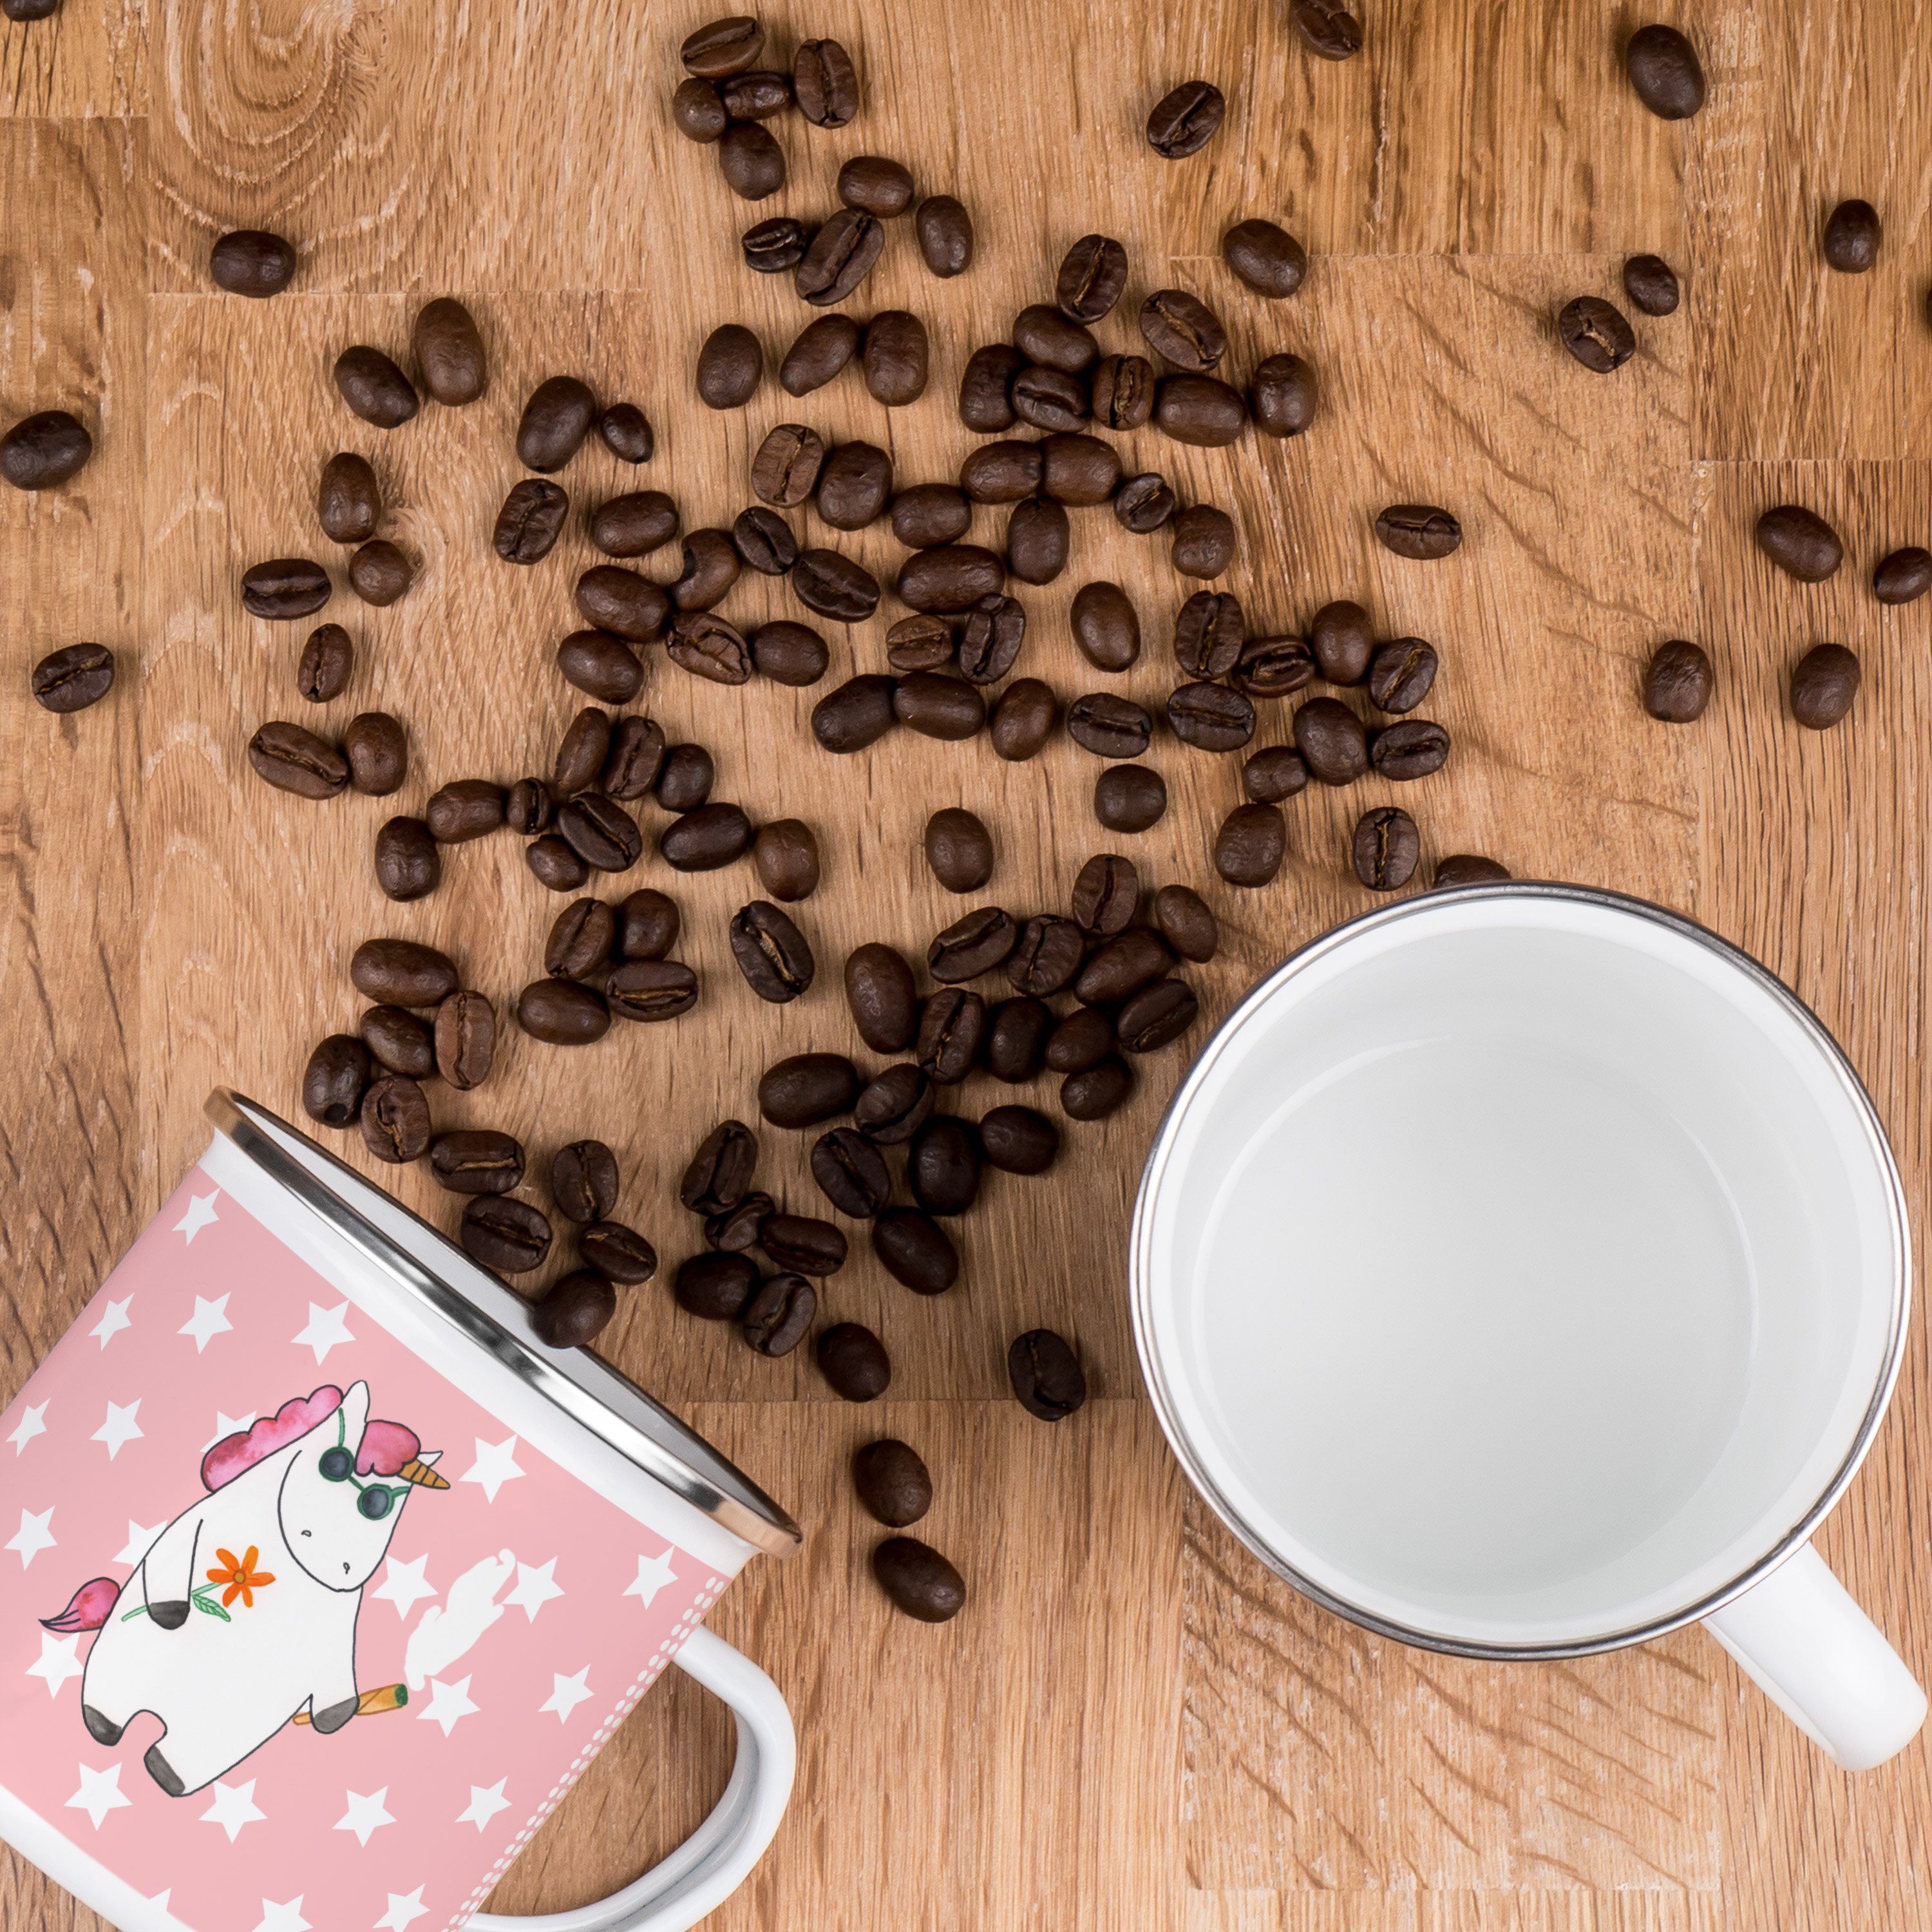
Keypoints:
(1822, 1662)
(716, 1858)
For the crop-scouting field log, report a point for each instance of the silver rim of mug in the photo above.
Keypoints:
(1223, 1040)
(584, 1386)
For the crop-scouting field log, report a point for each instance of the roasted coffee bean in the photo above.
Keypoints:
(1160, 1012)
(1664, 68)
(834, 586)
(786, 856)
(984, 400)
(737, 1229)
(1327, 28)
(806, 1088)
(375, 389)
(919, 1580)
(528, 523)
(1044, 1370)
(1184, 121)
(876, 185)
(1467, 868)
(553, 865)
(990, 637)
(1385, 848)
(1342, 642)
(333, 1081)
(511, 1236)
(928, 514)
(1677, 683)
(785, 470)
(465, 1040)
(555, 421)
(1651, 283)
(398, 1041)
(943, 1165)
(824, 83)
(896, 358)
(854, 485)
(892, 1483)
(248, 261)
(1129, 798)
(1333, 740)
(1597, 334)
(771, 247)
(1018, 1140)
(379, 573)
(936, 707)
(618, 1253)
(711, 565)
(395, 1119)
(348, 501)
(73, 678)
(921, 644)
(730, 364)
(1093, 274)
(633, 764)
(1274, 774)
(800, 1244)
(1078, 470)
(647, 925)
(1015, 1040)
(1281, 395)
(972, 945)
(1024, 719)
(1903, 577)
(771, 952)
(1201, 410)
(44, 450)
(702, 643)
(1250, 845)
(574, 1310)
(1267, 258)
(1203, 541)
(720, 1172)
(477, 1160)
(752, 163)
(779, 1314)
(581, 938)
(789, 653)
(649, 990)
(1187, 922)
(408, 865)
(1210, 717)
(1823, 683)
(626, 433)
(1045, 336)
(702, 840)
(1106, 892)
(1109, 726)
(1119, 394)
(841, 256)
(1047, 955)
(917, 1252)
(1082, 1039)
(293, 759)
(1183, 330)
(755, 96)
(854, 1360)
(857, 714)
(697, 110)
(684, 777)
(1050, 399)
(378, 752)
(601, 666)
(623, 602)
(1272, 666)
(1002, 472)
(1106, 626)
(286, 586)
(1038, 539)
(581, 754)
(1800, 542)
(715, 1286)
(1125, 963)
(328, 661)
(563, 1012)
(945, 232)
(1418, 531)
(1207, 633)
(583, 1181)
(952, 1025)
(879, 990)
(1098, 1091)
(600, 832)
(852, 1172)
(449, 353)
(722, 47)
(1401, 672)
(465, 808)
(631, 525)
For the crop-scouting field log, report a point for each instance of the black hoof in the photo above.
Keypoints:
(103, 1730)
(335, 1716)
(170, 1616)
(163, 1772)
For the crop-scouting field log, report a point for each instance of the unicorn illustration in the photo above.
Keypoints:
(241, 1618)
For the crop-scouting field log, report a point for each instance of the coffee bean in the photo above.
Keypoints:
(785, 470)
(285, 586)
(1342, 642)
(800, 1244)
(1207, 634)
(1098, 1091)
(765, 541)
(581, 939)
(1128, 961)
(919, 1580)
(1187, 922)
(1596, 333)
(1002, 472)
(530, 522)
(756, 95)
(702, 643)
(408, 865)
(834, 586)
(917, 1252)
(1045, 1375)
(890, 1106)
(1650, 284)
(1267, 258)
(991, 638)
(1047, 956)
(921, 644)
(972, 945)
(786, 856)
(1018, 1140)
(789, 653)
(600, 832)
(1250, 845)
(44, 450)
(555, 421)
(1332, 739)
(25, 10)
(333, 1081)
(1160, 1012)
(1038, 539)
(631, 525)
(715, 1286)
(581, 754)
(251, 261)
(771, 247)
(328, 661)
(1106, 626)
(649, 990)
(945, 708)
(1184, 121)
(1082, 1039)
(1274, 774)
(618, 1253)
(399, 1041)
(400, 973)
(1024, 719)
(852, 1172)
(395, 1119)
(1015, 1042)
(1050, 399)
(379, 572)
(1823, 683)
(626, 433)
(465, 808)
(1467, 868)
(1109, 726)
(952, 1024)
(1119, 394)
(1129, 798)
(875, 185)
(720, 1172)
(984, 400)
(892, 1482)
(896, 358)
(697, 110)
(1327, 28)
(711, 566)
(841, 256)
(928, 515)
(74, 677)
(1385, 849)
(477, 1160)
(293, 759)
(1093, 274)
(824, 83)
(1210, 717)
(1418, 531)
(574, 1310)
(752, 162)
(1201, 410)
(1272, 666)
(702, 840)
(601, 666)
(854, 485)
(1800, 542)
(647, 925)
(449, 353)
(856, 715)
(1078, 470)
(375, 389)
(1047, 337)
(854, 1360)
(1664, 68)
(553, 865)
(1281, 395)
(879, 990)
(348, 501)
(1106, 892)
(583, 1181)
(730, 364)
(563, 1012)
(1400, 673)
(680, 779)
(771, 952)
(737, 1229)
(778, 1316)
(623, 602)
(945, 232)
(1903, 577)
(1182, 329)
(722, 46)
(943, 1167)
(465, 1040)
(511, 1236)
(806, 1088)
(1203, 541)
(1677, 683)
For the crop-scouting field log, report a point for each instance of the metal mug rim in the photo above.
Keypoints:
(1787, 1544)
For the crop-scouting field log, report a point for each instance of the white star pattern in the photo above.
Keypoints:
(58, 1662)
(485, 1801)
(284, 1918)
(32, 1423)
(404, 1585)
(200, 1214)
(114, 1318)
(653, 1574)
(326, 1330)
(139, 1541)
(495, 1465)
(234, 1807)
(100, 1793)
(33, 1536)
(225, 1425)
(403, 1907)
(536, 1585)
(567, 1692)
(449, 1702)
(364, 1815)
(210, 1319)
(120, 1428)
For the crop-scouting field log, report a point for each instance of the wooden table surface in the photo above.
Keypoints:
(1132, 1723)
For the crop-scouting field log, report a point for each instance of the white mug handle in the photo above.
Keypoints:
(716, 1858)
(1822, 1662)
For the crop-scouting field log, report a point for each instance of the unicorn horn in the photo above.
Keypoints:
(416, 1470)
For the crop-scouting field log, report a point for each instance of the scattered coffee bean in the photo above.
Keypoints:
(618, 1253)
(1664, 69)
(1332, 739)
(1187, 922)
(855, 715)
(876, 185)
(1003, 472)
(722, 46)
(1184, 121)
(985, 403)
(1677, 682)
(562, 1012)
(1079, 471)
(348, 501)
(1038, 540)
(1049, 399)
(890, 1106)
(74, 677)
(919, 1580)
(1207, 633)
(806, 1088)
(1418, 531)
(1046, 956)
(685, 778)
(720, 1172)
(825, 83)
(1385, 849)
(1800, 542)
(697, 110)
(896, 358)
(399, 1041)
(952, 1025)
(291, 759)
(285, 586)
(1400, 674)
(379, 573)
(879, 990)
(736, 1229)
(1903, 577)
(1467, 868)
(1203, 542)
(715, 1286)
(1200, 410)
(1109, 726)
(555, 421)
(626, 433)
(650, 990)
(771, 952)
(1106, 626)
(375, 389)
(465, 1040)
(530, 521)
(477, 1160)
(852, 1172)
(467, 809)
(1045, 1375)
(1014, 1040)
(1823, 683)
(1596, 333)
(1018, 1140)
(1852, 232)
(395, 1120)
(779, 1314)
(1024, 719)
(1267, 258)
(1277, 772)
(1046, 336)
(408, 865)
(1160, 1012)
(333, 1081)
(756, 95)
(834, 586)
(786, 856)
(401, 972)
(511, 1236)
(601, 666)
(1650, 283)
(1250, 845)
(574, 1310)
(990, 637)
(943, 1165)
(928, 515)
(581, 754)
(711, 565)
(1129, 798)
(702, 643)
(1092, 275)
(841, 256)
(800, 1244)
(1130, 960)
(855, 483)
(1281, 395)
(1272, 666)
(935, 706)
(1106, 893)
(1098, 1091)
(1342, 642)
(449, 352)
(623, 602)
(1121, 393)
(771, 247)
(1082, 1039)
(752, 163)
(328, 661)
(854, 1360)
(647, 925)
(554, 865)
(583, 1181)
(892, 1483)
(789, 653)
(945, 232)
(1183, 330)
(730, 366)
(917, 1252)
(581, 939)
(251, 261)
(704, 840)
(44, 450)
(600, 832)
(631, 525)
(1412, 749)
(972, 945)
(1327, 28)
(1210, 717)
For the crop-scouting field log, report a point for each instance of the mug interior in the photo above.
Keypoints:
(1519, 1268)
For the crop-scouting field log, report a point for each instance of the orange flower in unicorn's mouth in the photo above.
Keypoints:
(240, 1576)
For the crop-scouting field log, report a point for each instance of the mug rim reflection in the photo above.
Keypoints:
(1141, 1292)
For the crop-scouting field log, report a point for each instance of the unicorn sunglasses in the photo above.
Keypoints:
(375, 1500)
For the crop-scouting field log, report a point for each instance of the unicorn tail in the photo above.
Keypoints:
(88, 1610)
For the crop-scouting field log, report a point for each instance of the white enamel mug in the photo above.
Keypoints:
(1521, 1272)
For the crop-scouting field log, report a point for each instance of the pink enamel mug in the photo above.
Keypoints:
(324, 1579)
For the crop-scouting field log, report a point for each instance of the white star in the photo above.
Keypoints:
(364, 1815)
(326, 1328)
(114, 1318)
(58, 1662)
(403, 1907)
(234, 1807)
(567, 1692)
(210, 1319)
(33, 1536)
(30, 1425)
(225, 1425)
(536, 1585)
(200, 1214)
(284, 1918)
(100, 1793)
(139, 1541)
(653, 1574)
(120, 1428)
(484, 1803)
(404, 1585)
(447, 1702)
(495, 1465)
